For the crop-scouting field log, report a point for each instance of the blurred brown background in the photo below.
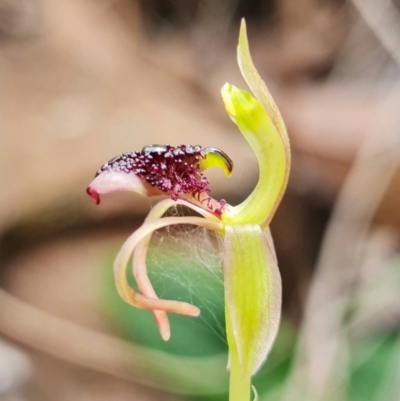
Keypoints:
(84, 80)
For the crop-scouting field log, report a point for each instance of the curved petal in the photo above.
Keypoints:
(139, 260)
(112, 181)
(120, 266)
(252, 294)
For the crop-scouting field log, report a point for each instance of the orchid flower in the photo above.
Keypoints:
(251, 276)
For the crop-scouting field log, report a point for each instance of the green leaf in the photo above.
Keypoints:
(374, 370)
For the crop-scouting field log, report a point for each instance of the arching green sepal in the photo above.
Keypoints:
(259, 130)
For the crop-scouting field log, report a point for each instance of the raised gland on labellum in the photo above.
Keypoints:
(164, 170)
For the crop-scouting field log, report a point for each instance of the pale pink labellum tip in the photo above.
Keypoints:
(113, 181)
(93, 194)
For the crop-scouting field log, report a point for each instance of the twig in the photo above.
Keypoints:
(321, 350)
(108, 354)
(383, 19)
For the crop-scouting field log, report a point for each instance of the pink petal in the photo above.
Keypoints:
(120, 266)
(139, 260)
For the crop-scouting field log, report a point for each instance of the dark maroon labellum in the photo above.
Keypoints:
(173, 170)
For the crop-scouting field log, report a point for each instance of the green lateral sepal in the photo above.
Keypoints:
(253, 294)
